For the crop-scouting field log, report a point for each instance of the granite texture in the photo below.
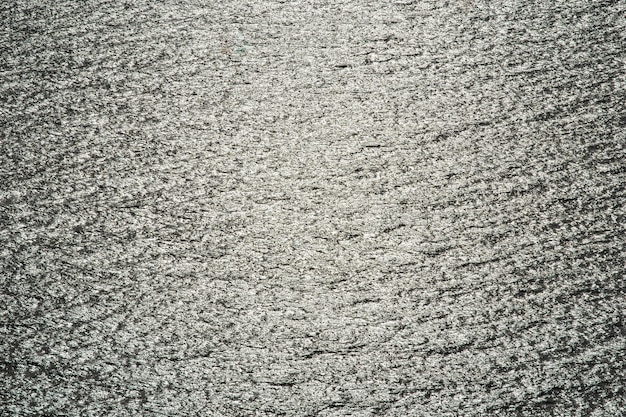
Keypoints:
(312, 208)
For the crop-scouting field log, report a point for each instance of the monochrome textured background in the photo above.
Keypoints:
(312, 208)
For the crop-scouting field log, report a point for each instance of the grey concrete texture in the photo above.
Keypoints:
(312, 208)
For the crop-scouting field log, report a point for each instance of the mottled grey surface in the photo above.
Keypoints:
(312, 208)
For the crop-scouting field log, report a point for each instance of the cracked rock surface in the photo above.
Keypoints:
(312, 208)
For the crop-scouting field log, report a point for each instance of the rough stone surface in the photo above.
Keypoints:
(312, 208)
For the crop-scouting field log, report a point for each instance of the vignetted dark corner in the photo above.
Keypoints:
(312, 208)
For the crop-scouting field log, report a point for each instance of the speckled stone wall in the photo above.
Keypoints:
(312, 208)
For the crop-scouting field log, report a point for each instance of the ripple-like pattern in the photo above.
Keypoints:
(312, 208)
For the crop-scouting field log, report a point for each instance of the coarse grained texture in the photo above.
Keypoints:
(312, 208)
